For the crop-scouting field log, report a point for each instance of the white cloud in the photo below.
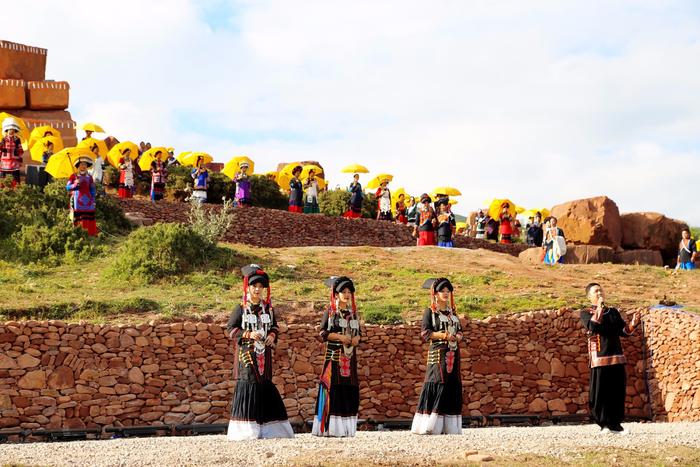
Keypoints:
(540, 101)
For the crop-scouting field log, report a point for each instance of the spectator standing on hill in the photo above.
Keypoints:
(383, 195)
(506, 226)
(241, 198)
(687, 251)
(401, 210)
(200, 177)
(126, 175)
(446, 226)
(159, 177)
(534, 231)
(554, 243)
(411, 210)
(480, 225)
(81, 187)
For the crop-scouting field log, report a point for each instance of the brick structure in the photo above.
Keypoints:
(25, 92)
(54, 374)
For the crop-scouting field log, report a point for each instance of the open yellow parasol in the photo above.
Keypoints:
(308, 168)
(233, 166)
(285, 175)
(496, 207)
(461, 225)
(94, 127)
(101, 146)
(447, 190)
(376, 181)
(531, 212)
(191, 158)
(23, 129)
(39, 132)
(395, 196)
(62, 164)
(39, 147)
(180, 157)
(117, 152)
(151, 155)
(355, 169)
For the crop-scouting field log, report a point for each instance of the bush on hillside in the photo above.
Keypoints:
(335, 203)
(35, 225)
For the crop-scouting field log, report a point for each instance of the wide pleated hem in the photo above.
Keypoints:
(339, 427)
(241, 430)
(436, 424)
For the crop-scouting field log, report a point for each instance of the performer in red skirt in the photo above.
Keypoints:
(426, 221)
(82, 189)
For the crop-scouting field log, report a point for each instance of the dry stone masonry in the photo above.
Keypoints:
(54, 374)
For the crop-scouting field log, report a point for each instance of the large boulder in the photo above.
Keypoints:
(652, 231)
(649, 257)
(588, 254)
(590, 221)
(531, 256)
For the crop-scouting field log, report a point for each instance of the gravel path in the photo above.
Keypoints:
(368, 447)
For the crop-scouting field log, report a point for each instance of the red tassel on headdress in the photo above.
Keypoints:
(354, 307)
(452, 302)
(332, 301)
(269, 296)
(245, 291)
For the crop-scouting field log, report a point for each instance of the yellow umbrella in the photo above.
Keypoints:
(355, 169)
(376, 181)
(447, 190)
(191, 158)
(117, 152)
(461, 225)
(39, 132)
(234, 166)
(150, 156)
(519, 209)
(497, 206)
(101, 146)
(94, 127)
(531, 212)
(395, 195)
(39, 147)
(308, 168)
(180, 157)
(23, 130)
(285, 175)
(453, 202)
(62, 164)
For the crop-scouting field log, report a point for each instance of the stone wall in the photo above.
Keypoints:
(54, 374)
(674, 378)
(274, 228)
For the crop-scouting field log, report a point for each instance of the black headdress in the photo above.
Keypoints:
(254, 274)
(436, 285)
(337, 284)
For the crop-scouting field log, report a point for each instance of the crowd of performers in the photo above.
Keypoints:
(258, 410)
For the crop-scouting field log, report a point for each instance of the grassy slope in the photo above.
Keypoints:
(388, 282)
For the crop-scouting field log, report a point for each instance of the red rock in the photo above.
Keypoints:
(47, 95)
(61, 378)
(19, 61)
(589, 254)
(556, 405)
(5, 402)
(33, 380)
(107, 381)
(558, 368)
(12, 94)
(200, 407)
(301, 367)
(136, 375)
(531, 256)
(99, 348)
(652, 231)
(590, 221)
(538, 405)
(648, 257)
(7, 363)
(27, 361)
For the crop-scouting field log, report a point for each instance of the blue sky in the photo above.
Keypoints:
(541, 101)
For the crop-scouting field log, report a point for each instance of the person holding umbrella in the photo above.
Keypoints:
(81, 187)
(506, 224)
(383, 195)
(426, 221)
(200, 175)
(401, 210)
(296, 191)
(126, 174)
(10, 151)
(241, 198)
(355, 204)
(159, 176)
(311, 194)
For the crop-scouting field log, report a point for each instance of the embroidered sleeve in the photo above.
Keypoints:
(274, 327)
(235, 320)
(589, 323)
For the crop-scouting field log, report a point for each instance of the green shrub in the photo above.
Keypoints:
(211, 224)
(265, 193)
(336, 202)
(695, 232)
(35, 226)
(159, 251)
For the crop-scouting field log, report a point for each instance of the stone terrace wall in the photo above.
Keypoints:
(54, 374)
(275, 228)
(674, 347)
